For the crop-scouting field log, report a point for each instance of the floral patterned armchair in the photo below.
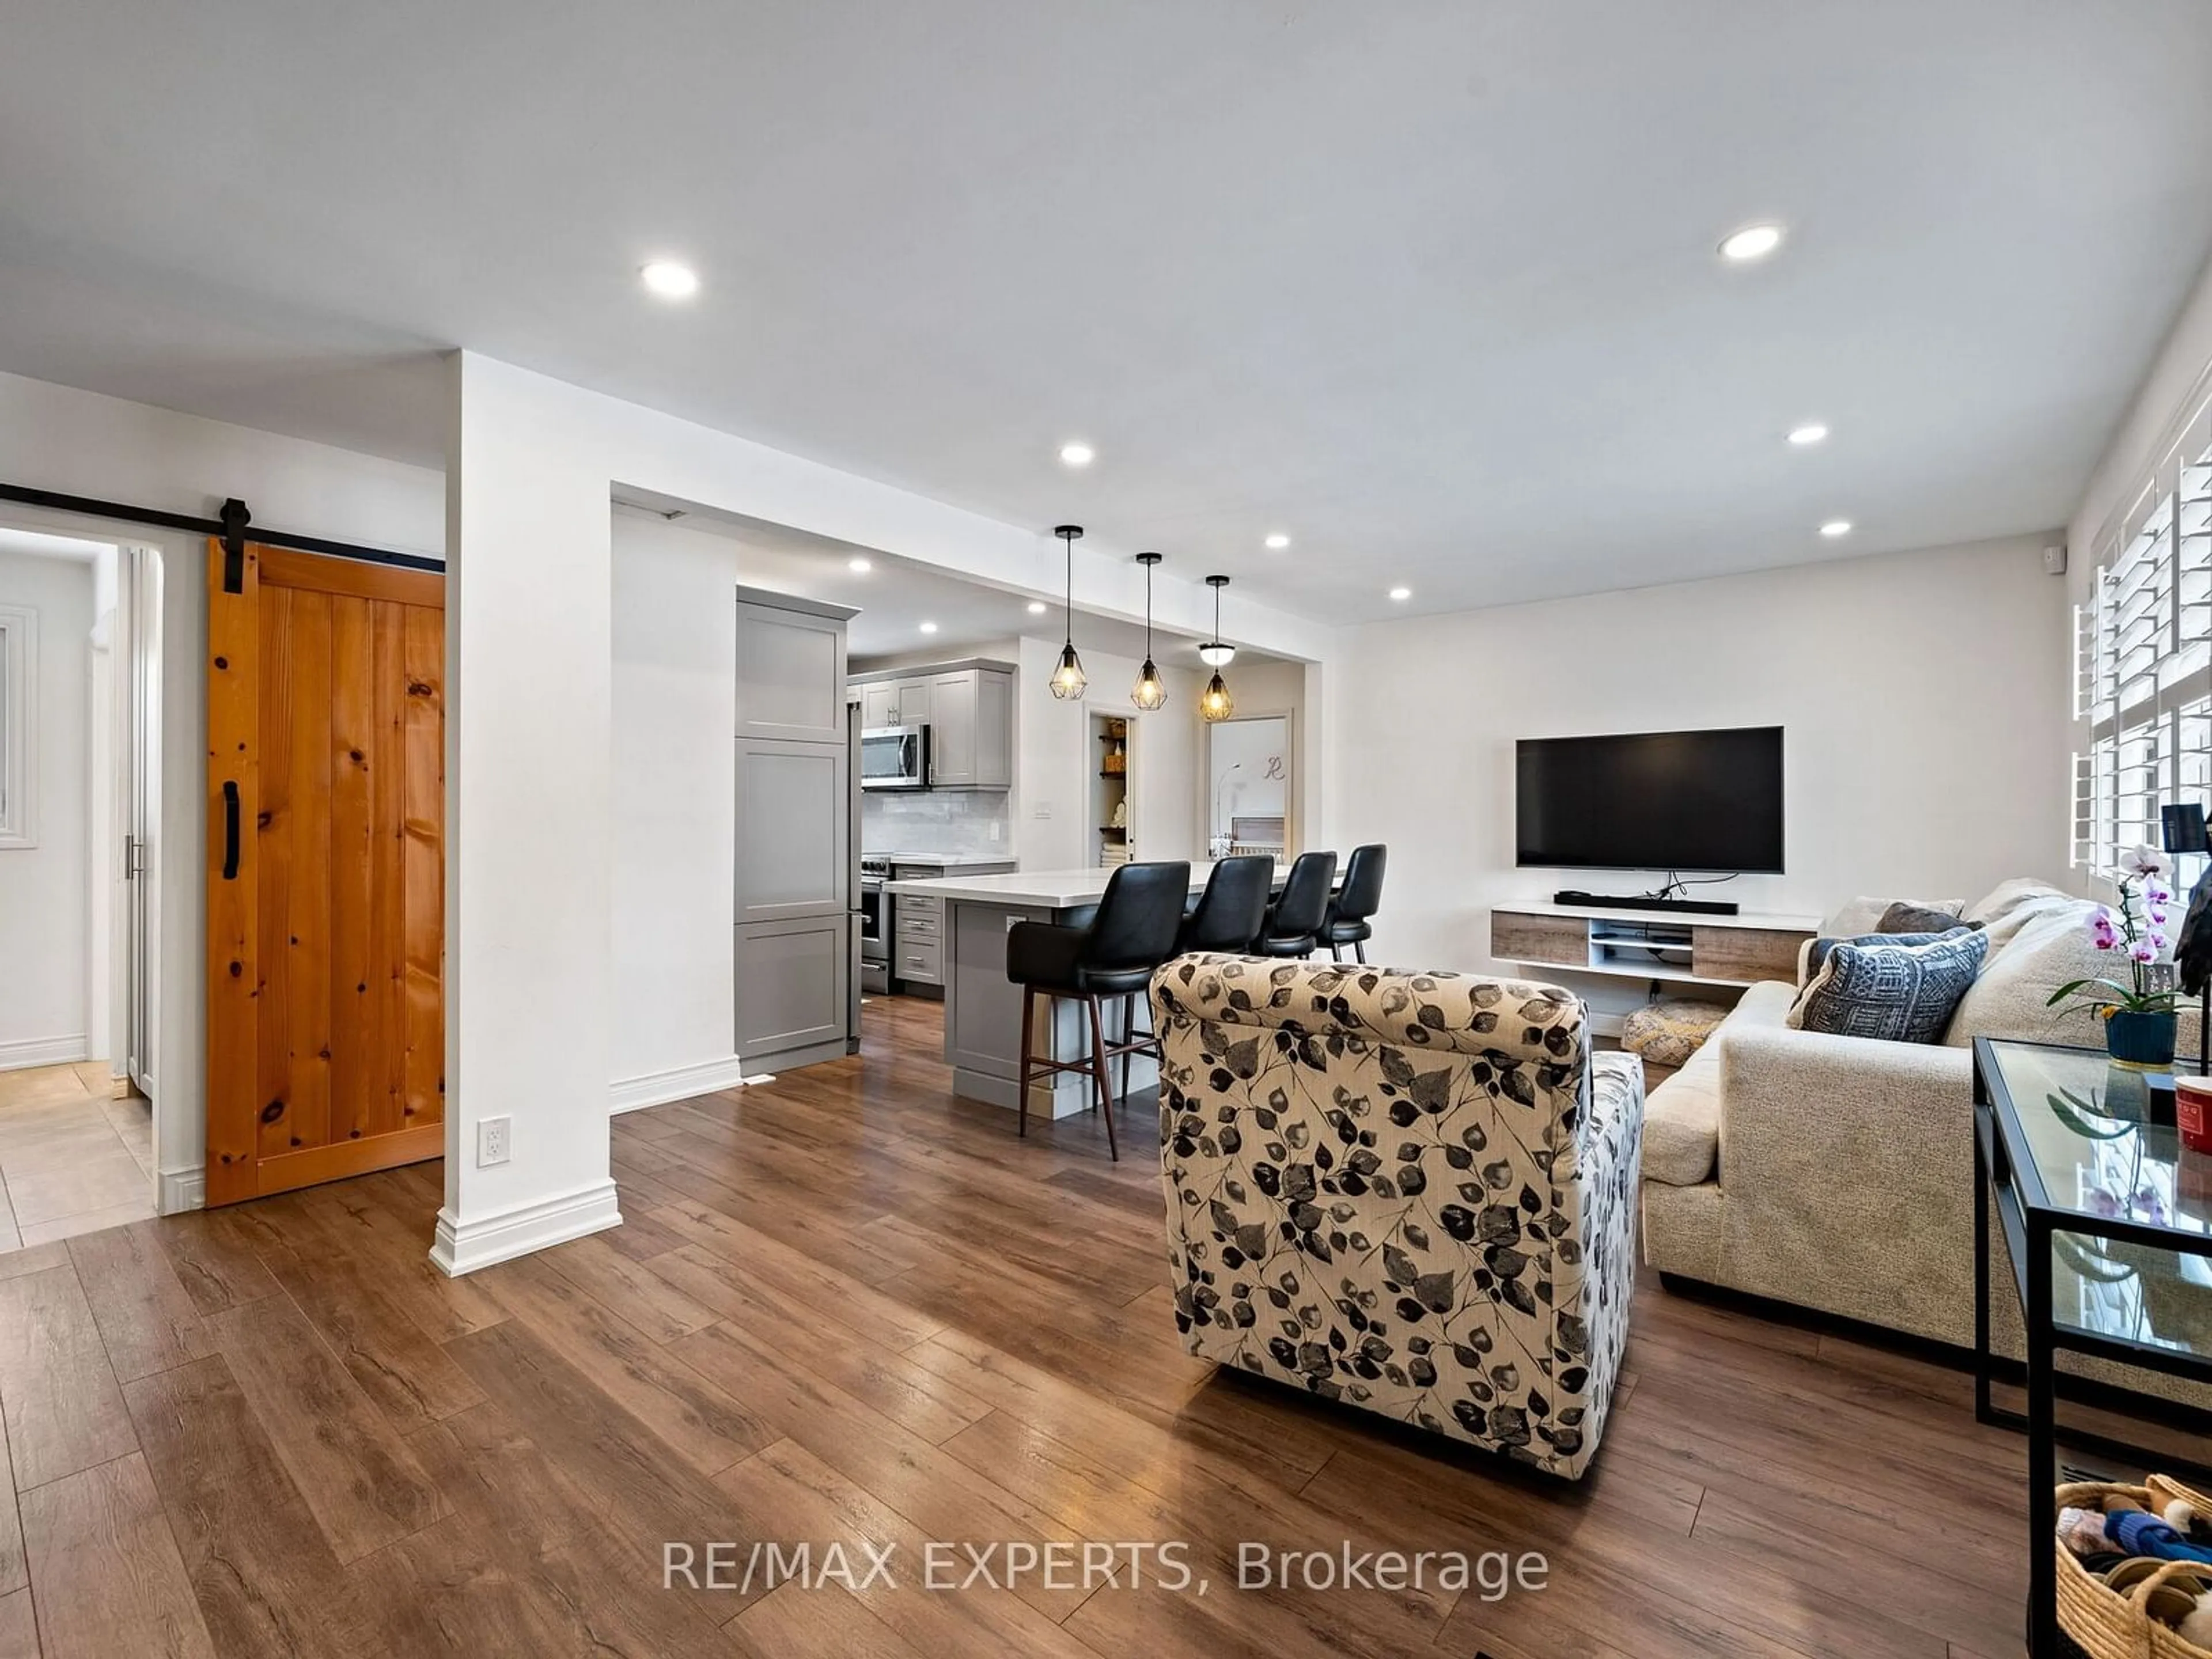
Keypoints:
(1410, 1193)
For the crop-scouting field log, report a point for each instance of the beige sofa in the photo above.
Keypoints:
(1836, 1173)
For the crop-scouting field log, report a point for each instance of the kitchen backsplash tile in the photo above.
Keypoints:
(948, 821)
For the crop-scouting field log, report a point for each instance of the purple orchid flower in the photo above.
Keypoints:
(2102, 932)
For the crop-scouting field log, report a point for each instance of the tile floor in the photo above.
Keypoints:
(72, 1160)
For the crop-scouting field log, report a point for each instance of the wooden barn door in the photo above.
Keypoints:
(326, 876)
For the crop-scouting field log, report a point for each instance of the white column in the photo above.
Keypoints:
(528, 824)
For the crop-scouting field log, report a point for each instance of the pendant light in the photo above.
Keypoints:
(1214, 702)
(1214, 653)
(1149, 693)
(1067, 680)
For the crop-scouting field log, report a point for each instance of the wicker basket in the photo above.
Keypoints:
(2105, 1623)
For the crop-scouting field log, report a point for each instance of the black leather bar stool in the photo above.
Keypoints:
(1231, 912)
(1132, 932)
(1360, 897)
(1294, 924)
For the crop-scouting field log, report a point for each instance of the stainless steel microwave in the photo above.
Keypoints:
(894, 757)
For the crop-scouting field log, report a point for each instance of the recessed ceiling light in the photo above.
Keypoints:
(1811, 433)
(1836, 527)
(929, 628)
(1752, 242)
(1036, 607)
(1402, 593)
(859, 567)
(1078, 455)
(670, 280)
(1278, 542)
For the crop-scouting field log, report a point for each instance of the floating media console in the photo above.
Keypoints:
(1628, 942)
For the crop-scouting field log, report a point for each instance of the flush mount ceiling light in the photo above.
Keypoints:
(1836, 527)
(1036, 607)
(1401, 593)
(1752, 242)
(859, 567)
(1214, 702)
(1078, 455)
(929, 628)
(668, 279)
(1811, 433)
(1067, 681)
(1278, 542)
(1149, 693)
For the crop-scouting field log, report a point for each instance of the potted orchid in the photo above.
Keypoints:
(2138, 1013)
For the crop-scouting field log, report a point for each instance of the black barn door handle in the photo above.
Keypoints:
(229, 829)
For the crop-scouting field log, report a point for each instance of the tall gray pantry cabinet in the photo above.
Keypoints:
(795, 868)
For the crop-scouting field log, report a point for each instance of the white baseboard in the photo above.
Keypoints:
(464, 1246)
(706, 1076)
(25, 1052)
(181, 1190)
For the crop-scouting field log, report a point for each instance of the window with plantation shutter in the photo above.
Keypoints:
(2142, 659)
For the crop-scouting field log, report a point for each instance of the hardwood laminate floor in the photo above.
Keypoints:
(847, 1309)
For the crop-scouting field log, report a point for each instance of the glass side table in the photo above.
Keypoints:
(2107, 1219)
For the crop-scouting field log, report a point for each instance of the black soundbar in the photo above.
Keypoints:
(1644, 902)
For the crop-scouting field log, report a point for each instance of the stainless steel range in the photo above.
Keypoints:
(875, 926)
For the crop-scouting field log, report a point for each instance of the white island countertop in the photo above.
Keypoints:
(1052, 889)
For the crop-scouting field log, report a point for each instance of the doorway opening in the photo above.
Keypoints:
(80, 707)
(1112, 810)
(1248, 785)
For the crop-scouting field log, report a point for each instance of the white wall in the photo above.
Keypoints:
(1922, 695)
(1058, 759)
(80, 443)
(2174, 388)
(675, 792)
(46, 897)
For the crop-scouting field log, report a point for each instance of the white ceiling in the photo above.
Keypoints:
(895, 596)
(1429, 285)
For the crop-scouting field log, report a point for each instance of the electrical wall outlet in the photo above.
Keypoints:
(493, 1141)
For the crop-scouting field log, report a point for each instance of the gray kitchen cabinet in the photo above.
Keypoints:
(968, 707)
(972, 729)
(794, 830)
(792, 987)
(894, 703)
(913, 706)
(791, 668)
(919, 955)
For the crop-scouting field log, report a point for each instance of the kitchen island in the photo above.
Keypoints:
(984, 1007)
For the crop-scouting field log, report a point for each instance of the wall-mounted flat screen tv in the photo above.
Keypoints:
(1652, 800)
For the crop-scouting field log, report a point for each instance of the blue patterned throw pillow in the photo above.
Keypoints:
(1816, 954)
(1898, 993)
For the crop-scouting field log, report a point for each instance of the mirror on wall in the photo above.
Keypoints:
(1248, 785)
